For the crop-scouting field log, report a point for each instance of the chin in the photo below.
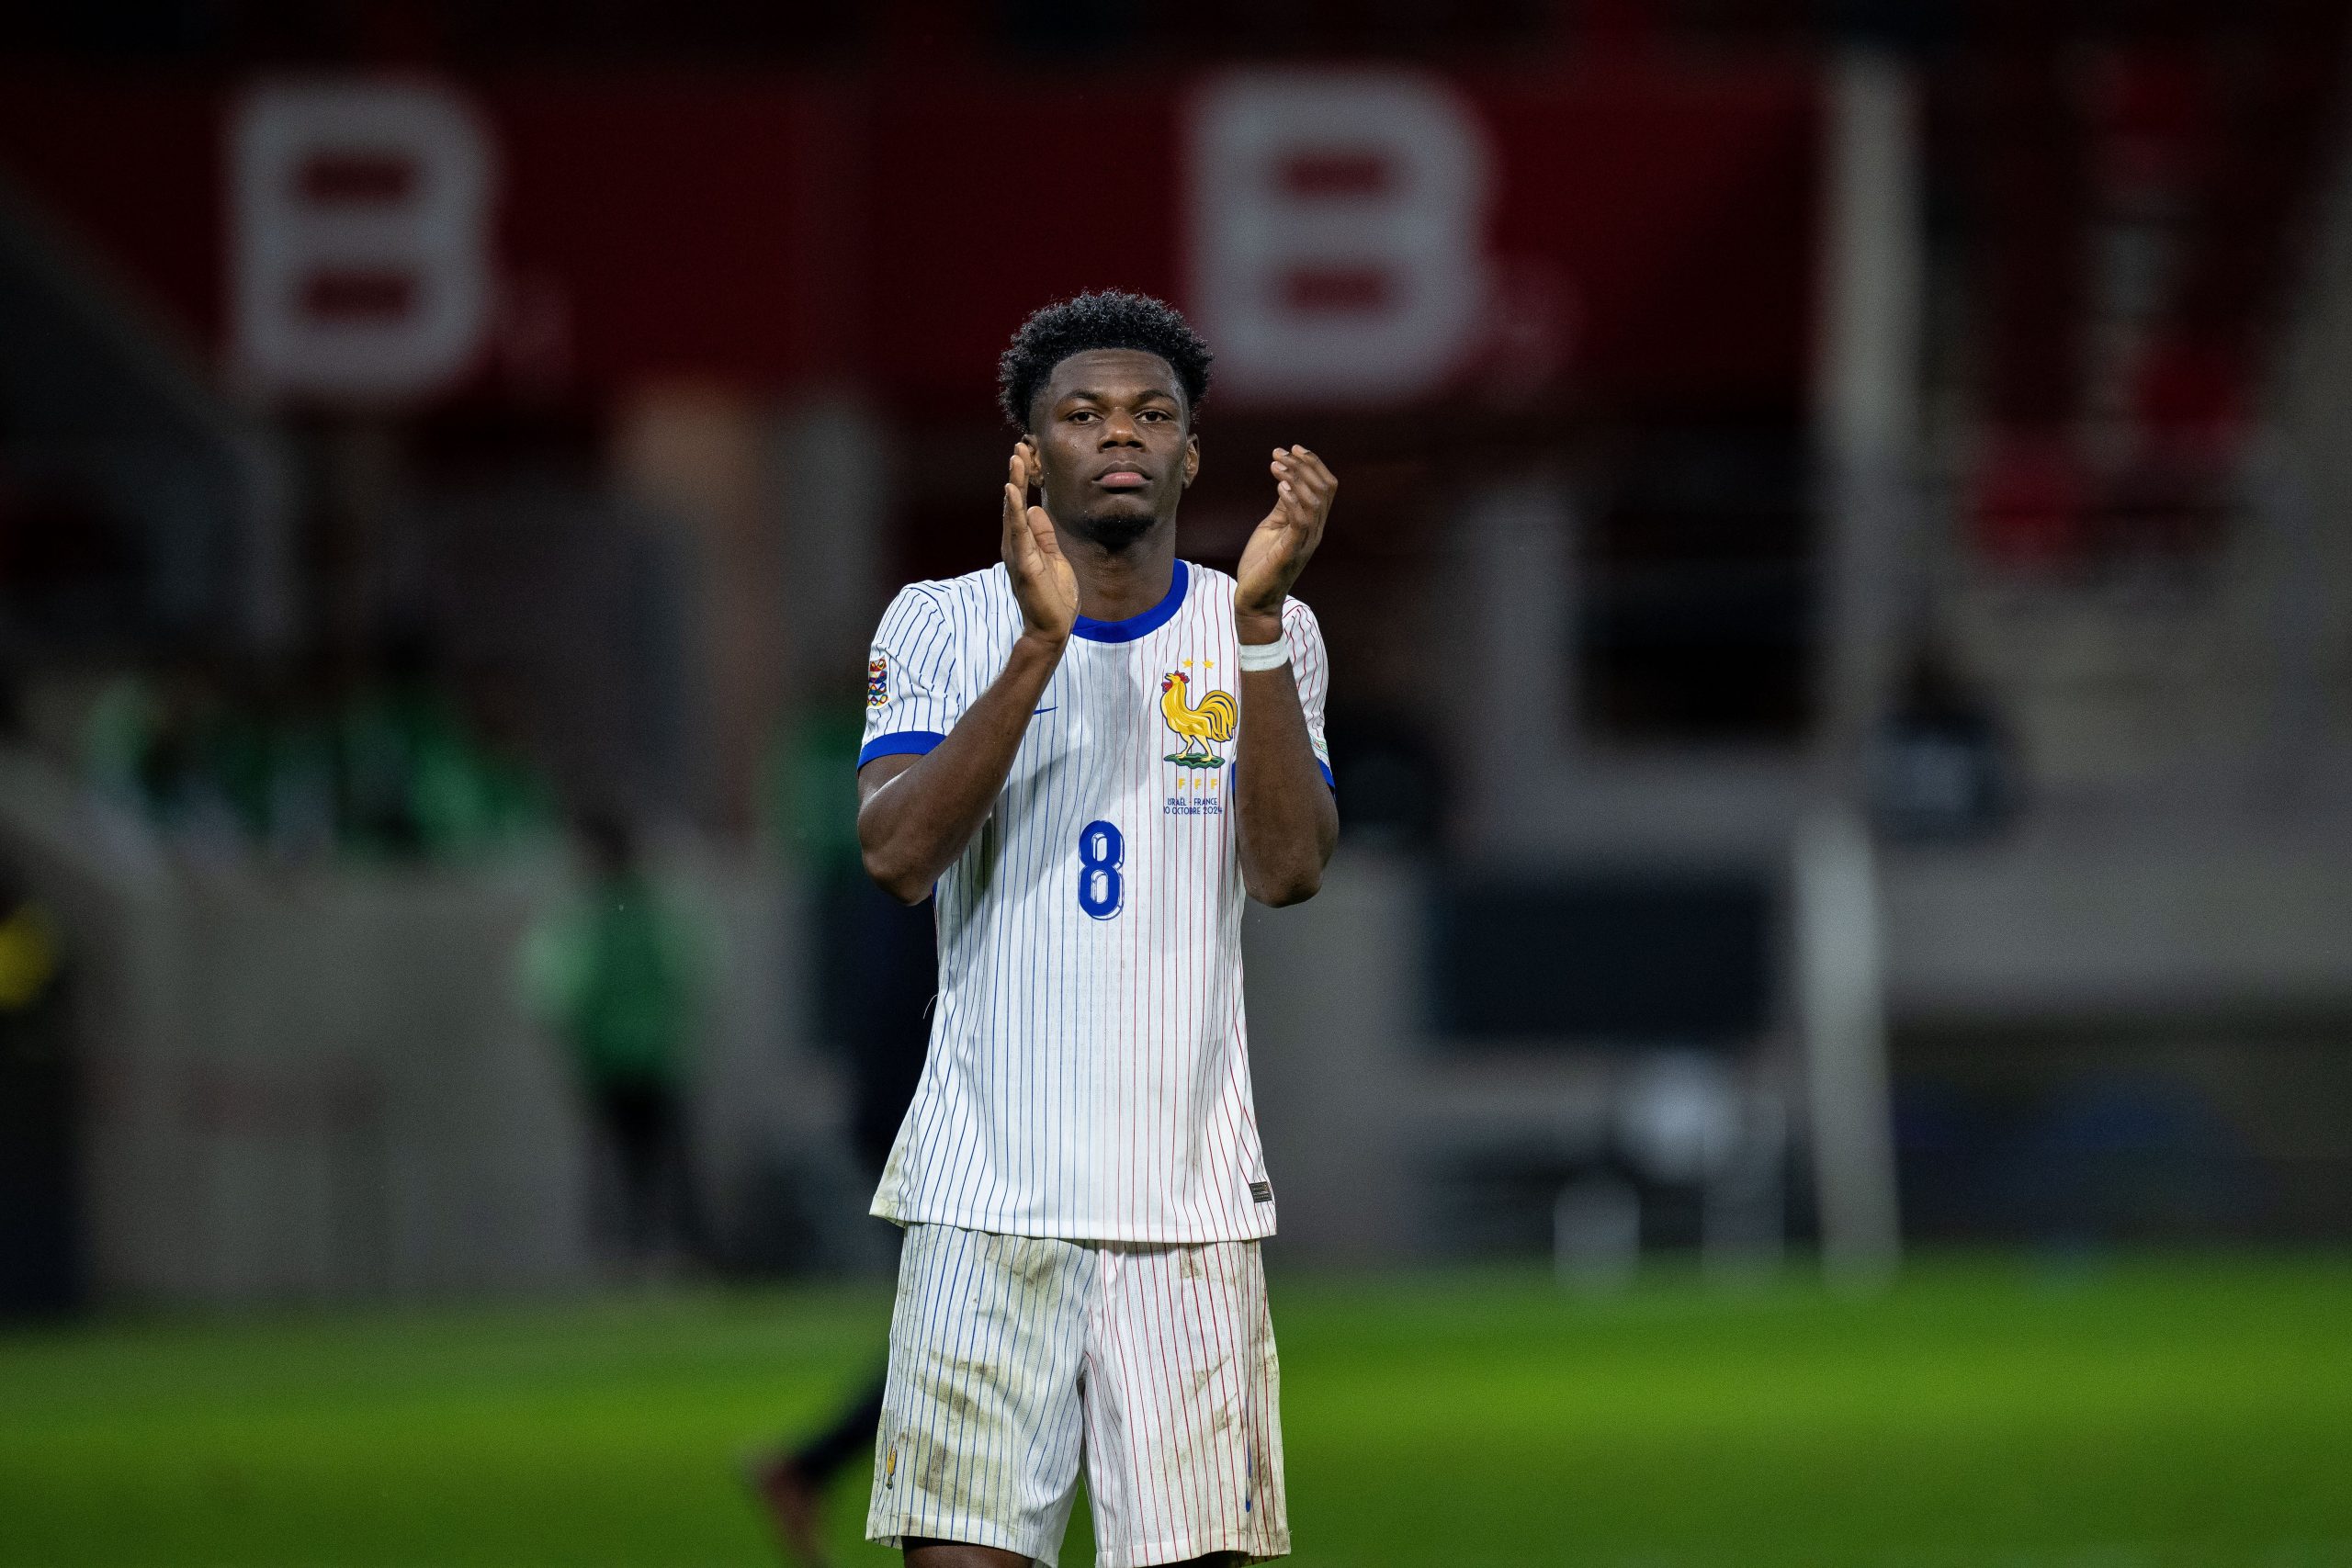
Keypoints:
(1115, 531)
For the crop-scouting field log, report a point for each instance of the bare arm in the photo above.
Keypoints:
(1288, 821)
(916, 814)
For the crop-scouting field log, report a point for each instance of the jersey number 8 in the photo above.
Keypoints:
(1100, 888)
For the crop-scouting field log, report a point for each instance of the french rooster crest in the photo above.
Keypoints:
(1196, 727)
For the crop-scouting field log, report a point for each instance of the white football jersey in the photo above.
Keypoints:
(1089, 1072)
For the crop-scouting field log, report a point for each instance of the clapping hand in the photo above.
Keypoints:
(1042, 578)
(1280, 549)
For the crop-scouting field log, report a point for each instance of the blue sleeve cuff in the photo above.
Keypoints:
(905, 742)
(1327, 779)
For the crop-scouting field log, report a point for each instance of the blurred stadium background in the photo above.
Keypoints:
(1829, 1036)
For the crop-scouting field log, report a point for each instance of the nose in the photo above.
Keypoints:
(1119, 430)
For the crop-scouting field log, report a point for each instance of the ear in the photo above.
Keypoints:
(1035, 461)
(1191, 459)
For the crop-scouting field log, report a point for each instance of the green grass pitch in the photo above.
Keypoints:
(2126, 1415)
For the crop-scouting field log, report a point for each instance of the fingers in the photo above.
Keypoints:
(1023, 471)
(1043, 582)
(1304, 482)
(1013, 502)
(1041, 533)
(1272, 560)
(1020, 473)
(1305, 472)
(1302, 470)
(1315, 469)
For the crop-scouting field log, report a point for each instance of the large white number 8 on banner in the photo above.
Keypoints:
(1101, 889)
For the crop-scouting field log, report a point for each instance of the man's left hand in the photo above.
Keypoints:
(1283, 544)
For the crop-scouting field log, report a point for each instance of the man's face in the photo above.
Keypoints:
(1112, 437)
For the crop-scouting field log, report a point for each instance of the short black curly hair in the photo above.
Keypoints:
(1108, 318)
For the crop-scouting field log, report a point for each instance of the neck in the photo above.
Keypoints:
(1115, 584)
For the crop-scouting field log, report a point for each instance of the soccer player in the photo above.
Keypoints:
(1088, 754)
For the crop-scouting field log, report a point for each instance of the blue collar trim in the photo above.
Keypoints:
(1142, 624)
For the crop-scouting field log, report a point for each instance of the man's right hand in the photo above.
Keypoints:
(1042, 578)
(916, 814)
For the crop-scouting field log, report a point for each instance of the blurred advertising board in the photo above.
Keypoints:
(1348, 236)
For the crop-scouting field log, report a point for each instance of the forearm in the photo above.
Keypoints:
(912, 824)
(1288, 822)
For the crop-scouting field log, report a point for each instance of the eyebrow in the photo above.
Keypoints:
(1091, 395)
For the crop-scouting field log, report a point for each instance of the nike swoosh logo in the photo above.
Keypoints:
(1050, 708)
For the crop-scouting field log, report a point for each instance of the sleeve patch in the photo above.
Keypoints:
(878, 680)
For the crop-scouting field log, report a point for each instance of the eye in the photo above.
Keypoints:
(1154, 414)
(1081, 416)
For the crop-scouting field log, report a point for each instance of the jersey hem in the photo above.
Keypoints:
(1151, 1235)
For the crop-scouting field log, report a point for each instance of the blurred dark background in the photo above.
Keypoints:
(1842, 611)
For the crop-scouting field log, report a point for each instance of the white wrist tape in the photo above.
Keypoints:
(1265, 655)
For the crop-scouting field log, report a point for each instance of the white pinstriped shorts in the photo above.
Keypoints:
(1013, 1357)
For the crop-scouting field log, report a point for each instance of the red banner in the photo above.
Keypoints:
(1364, 236)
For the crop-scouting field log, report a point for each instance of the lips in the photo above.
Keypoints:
(1123, 479)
